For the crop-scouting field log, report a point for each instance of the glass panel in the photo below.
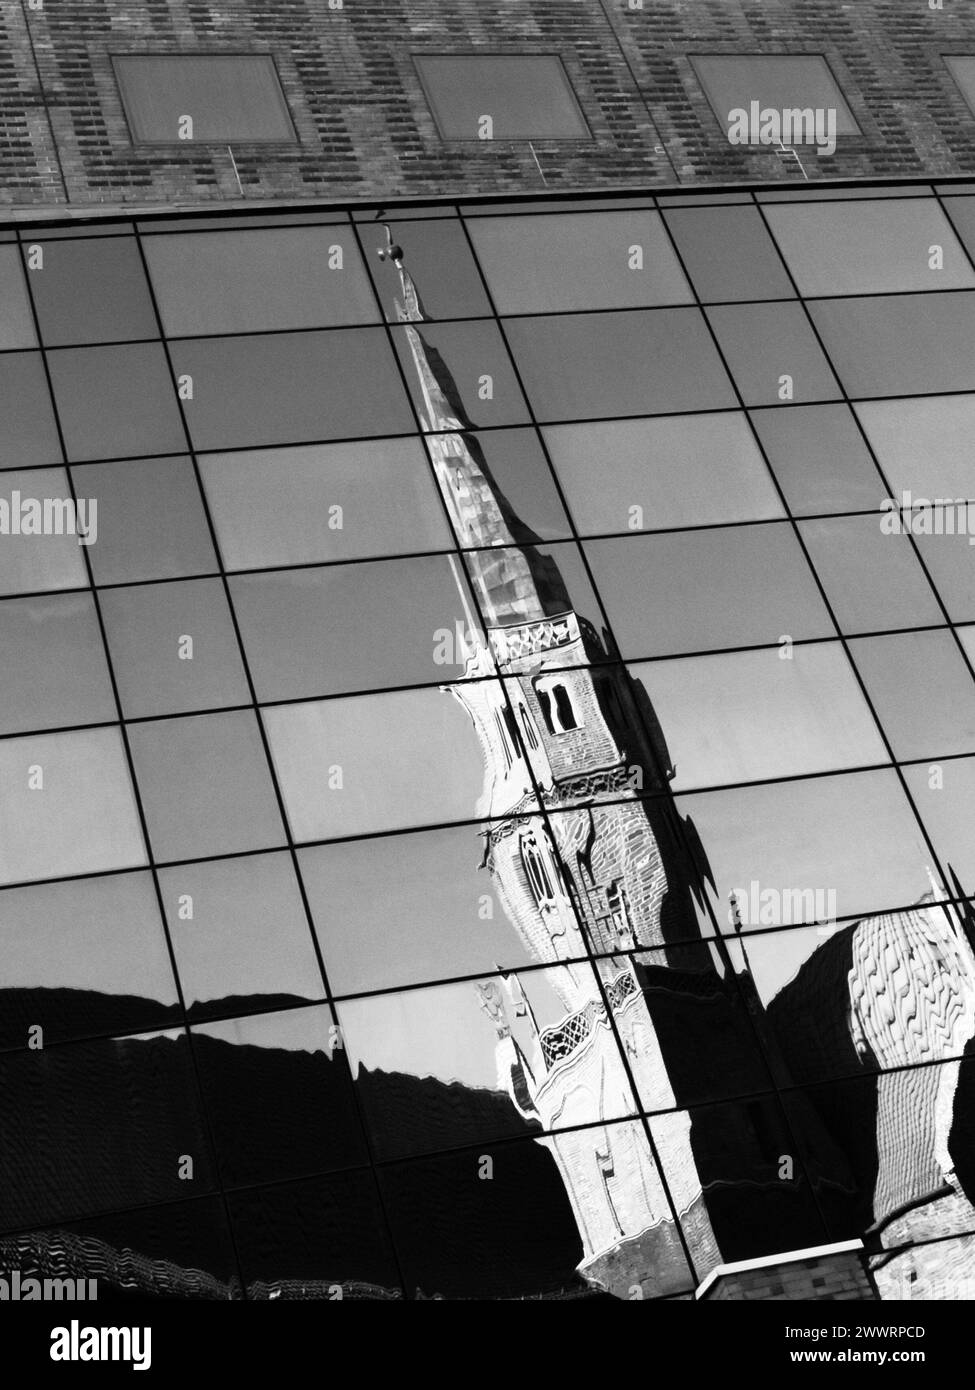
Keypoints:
(440, 263)
(124, 1107)
(205, 785)
(902, 344)
(115, 401)
(229, 98)
(16, 322)
(593, 260)
(278, 1095)
(867, 852)
(352, 627)
(283, 388)
(945, 797)
(83, 958)
(302, 1239)
(962, 70)
(732, 587)
(635, 475)
(92, 291)
(961, 215)
(378, 762)
(28, 434)
(872, 581)
(478, 386)
(31, 562)
(325, 502)
(819, 458)
(751, 715)
(239, 934)
(151, 522)
(922, 690)
(649, 360)
(449, 919)
(44, 638)
(773, 353)
(518, 586)
(944, 549)
(66, 806)
(869, 247)
(728, 253)
(255, 281)
(514, 463)
(734, 81)
(527, 97)
(923, 445)
(173, 648)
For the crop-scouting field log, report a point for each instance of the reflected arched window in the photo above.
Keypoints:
(557, 706)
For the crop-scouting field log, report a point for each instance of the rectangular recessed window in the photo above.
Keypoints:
(203, 98)
(776, 82)
(963, 71)
(495, 96)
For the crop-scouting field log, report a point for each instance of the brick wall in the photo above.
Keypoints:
(365, 128)
(833, 1277)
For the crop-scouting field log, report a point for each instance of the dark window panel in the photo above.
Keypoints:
(728, 253)
(247, 943)
(231, 98)
(30, 563)
(437, 256)
(91, 291)
(323, 502)
(83, 958)
(528, 97)
(819, 458)
(653, 474)
(689, 591)
(46, 637)
(205, 785)
(116, 401)
(28, 433)
(463, 356)
(649, 360)
(278, 1095)
(157, 671)
(595, 260)
(922, 691)
(256, 281)
(763, 344)
(783, 82)
(900, 345)
(872, 581)
(151, 522)
(289, 387)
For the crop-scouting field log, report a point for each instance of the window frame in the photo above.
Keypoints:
(418, 56)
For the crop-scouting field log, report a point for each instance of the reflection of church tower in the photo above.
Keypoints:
(598, 878)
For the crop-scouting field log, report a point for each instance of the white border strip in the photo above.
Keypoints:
(770, 1261)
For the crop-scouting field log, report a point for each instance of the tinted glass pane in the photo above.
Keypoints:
(611, 260)
(515, 461)
(205, 785)
(819, 458)
(289, 387)
(46, 637)
(151, 522)
(734, 81)
(351, 627)
(253, 281)
(229, 98)
(239, 934)
(649, 360)
(922, 691)
(751, 715)
(83, 958)
(657, 473)
(66, 806)
(944, 794)
(92, 291)
(28, 434)
(173, 648)
(869, 247)
(439, 260)
(29, 562)
(527, 98)
(733, 587)
(923, 445)
(963, 71)
(16, 323)
(728, 253)
(377, 762)
(765, 343)
(449, 919)
(900, 345)
(473, 369)
(948, 559)
(872, 580)
(116, 401)
(325, 502)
